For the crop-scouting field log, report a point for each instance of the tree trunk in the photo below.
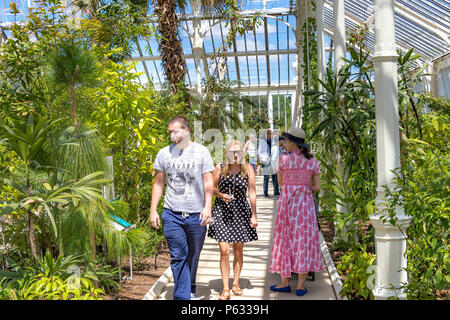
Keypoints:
(138, 204)
(126, 169)
(92, 240)
(74, 105)
(94, 252)
(31, 235)
(170, 45)
(72, 96)
(3, 238)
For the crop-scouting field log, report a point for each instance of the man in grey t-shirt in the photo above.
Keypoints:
(188, 167)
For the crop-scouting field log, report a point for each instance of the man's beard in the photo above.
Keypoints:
(181, 140)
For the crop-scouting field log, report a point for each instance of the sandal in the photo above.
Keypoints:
(236, 290)
(225, 295)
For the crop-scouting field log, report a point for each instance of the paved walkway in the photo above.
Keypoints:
(255, 277)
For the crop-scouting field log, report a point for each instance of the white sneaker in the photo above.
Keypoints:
(194, 296)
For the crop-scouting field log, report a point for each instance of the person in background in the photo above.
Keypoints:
(269, 162)
(235, 220)
(250, 149)
(188, 167)
(282, 145)
(296, 245)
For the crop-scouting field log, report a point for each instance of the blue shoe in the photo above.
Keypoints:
(301, 292)
(283, 289)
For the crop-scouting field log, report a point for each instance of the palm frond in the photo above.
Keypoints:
(72, 63)
(80, 152)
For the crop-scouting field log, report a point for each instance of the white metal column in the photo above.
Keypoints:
(320, 42)
(270, 109)
(241, 111)
(227, 120)
(293, 116)
(197, 44)
(339, 33)
(339, 54)
(390, 241)
(434, 83)
(298, 97)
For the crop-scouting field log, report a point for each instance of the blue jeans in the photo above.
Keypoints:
(185, 237)
(274, 182)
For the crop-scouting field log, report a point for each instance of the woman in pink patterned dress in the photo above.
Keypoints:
(296, 246)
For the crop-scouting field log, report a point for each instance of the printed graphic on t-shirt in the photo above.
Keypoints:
(181, 177)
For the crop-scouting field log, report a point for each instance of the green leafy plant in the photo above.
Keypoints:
(343, 132)
(27, 139)
(127, 118)
(148, 244)
(358, 267)
(52, 279)
(423, 193)
(73, 66)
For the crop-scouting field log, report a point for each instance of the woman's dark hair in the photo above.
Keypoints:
(306, 153)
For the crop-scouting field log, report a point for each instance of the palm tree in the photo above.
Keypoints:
(27, 138)
(73, 66)
(118, 23)
(170, 46)
(88, 6)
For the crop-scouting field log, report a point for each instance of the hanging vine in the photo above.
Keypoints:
(309, 65)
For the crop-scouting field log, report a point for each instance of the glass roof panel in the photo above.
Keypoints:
(274, 67)
(284, 69)
(262, 64)
(184, 36)
(422, 24)
(253, 70)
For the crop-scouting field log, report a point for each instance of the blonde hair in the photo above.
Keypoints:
(243, 164)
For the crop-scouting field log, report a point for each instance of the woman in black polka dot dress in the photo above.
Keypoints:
(234, 218)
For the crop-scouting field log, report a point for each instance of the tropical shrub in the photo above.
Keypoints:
(52, 279)
(358, 267)
(424, 195)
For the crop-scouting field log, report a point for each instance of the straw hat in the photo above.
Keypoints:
(297, 135)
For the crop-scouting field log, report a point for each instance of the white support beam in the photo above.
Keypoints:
(230, 54)
(138, 46)
(197, 45)
(390, 241)
(260, 90)
(270, 109)
(293, 116)
(320, 42)
(227, 120)
(243, 13)
(241, 111)
(298, 101)
(339, 34)
(434, 81)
